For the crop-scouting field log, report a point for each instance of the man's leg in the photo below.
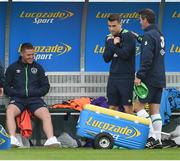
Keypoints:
(154, 98)
(128, 109)
(112, 95)
(44, 115)
(141, 112)
(11, 112)
(156, 119)
(113, 107)
(125, 88)
(155, 112)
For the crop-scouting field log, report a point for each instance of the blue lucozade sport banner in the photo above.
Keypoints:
(2, 31)
(171, 31)
(53, 28)
(97, 29)
(55, 31)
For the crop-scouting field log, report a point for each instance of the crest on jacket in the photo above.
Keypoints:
(34, 70)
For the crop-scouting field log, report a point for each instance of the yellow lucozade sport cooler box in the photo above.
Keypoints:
(128, 131)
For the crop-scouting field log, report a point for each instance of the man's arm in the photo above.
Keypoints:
(146, 56)
(125, 50)
(108, 54)
(8, 89)
(138, 37)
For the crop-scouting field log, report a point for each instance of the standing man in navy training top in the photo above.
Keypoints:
(152, 73)
(120, 50)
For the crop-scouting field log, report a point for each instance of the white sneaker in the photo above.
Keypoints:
(176, 132)
(52, 142)
(14, 142)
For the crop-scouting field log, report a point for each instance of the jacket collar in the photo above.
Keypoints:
(150, 27)
(20, 61)
(120, 33)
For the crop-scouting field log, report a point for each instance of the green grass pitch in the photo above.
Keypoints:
(89, 154)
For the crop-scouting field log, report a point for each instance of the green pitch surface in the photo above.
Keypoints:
(89, 154)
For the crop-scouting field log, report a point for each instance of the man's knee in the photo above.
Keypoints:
(114, 107)
(128, 109)
(12, 110)
(42, 113)
(137, 106)
(154, 109)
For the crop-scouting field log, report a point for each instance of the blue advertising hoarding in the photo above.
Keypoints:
(53, 28)
(171, 31)
(2, 30)
(97, 29)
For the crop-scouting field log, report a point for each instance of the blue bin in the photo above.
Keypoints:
(128, 131)
(5, 142)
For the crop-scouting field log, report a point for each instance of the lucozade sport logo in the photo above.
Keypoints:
(99, 49)
(127, 131)
(176, 14)
(2, 141)
(48, 52)
(174, 48)
(46, 17)
(125, 17)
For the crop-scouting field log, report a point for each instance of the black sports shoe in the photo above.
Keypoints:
(169, 144)
(153, 144)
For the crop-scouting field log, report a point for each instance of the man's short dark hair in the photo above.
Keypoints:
(26, 46)
(148, 14)
(114, 17)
